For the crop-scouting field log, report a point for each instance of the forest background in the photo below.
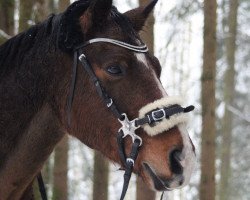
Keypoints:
(204, 49)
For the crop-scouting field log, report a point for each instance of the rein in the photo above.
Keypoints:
(128, 127)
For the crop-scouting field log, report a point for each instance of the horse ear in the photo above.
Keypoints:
(89, 14)
(95, 15)
(138, 16)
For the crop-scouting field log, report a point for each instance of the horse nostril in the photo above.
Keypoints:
(175, 157)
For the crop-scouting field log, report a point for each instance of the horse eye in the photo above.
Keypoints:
(115, 70)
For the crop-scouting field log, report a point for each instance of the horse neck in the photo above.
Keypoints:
(31, 151)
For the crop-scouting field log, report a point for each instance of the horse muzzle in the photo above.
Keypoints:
(181, 165)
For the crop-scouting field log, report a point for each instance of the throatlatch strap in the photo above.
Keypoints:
(41, 186)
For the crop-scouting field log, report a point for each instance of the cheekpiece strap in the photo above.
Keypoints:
(100, 90)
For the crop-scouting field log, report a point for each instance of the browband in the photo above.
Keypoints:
(141, 49)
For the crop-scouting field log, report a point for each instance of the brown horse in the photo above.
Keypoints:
(36, 83)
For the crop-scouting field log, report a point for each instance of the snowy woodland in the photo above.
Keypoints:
(178, 42)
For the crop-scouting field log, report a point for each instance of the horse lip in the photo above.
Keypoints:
(158, 183)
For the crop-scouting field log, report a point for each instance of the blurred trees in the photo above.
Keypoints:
(7, 16)
(101, 174)
(60, 171)
(228, 97)
(25, 14)
(6, 19)
(62, 5)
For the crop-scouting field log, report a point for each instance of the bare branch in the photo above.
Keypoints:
(4, 35)
(238, 113)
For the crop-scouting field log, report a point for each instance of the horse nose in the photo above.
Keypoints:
(175, 158)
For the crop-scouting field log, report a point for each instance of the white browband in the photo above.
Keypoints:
(141, 49)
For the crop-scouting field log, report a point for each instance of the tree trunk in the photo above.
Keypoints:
(63, 4)
(52, 6)
(60, 187)
(6, 19)
(7, 16)
(229, 90)
(207, 184)
(25, 13)
(41, 10)
(142, 191)
(101, 172)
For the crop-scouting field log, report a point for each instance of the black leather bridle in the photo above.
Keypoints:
(128, 127)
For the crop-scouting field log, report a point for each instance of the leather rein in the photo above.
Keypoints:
(128, 126)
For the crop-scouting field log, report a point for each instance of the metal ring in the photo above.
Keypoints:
(130, 160)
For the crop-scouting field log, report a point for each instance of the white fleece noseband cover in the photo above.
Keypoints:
(165, 124)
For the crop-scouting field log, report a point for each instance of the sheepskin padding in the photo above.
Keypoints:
(165, 124)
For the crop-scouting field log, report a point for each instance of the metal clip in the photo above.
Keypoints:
(110, 103)
(81, 57)
(128, 128)
(130, 160)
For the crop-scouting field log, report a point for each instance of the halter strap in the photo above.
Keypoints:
(140, 49)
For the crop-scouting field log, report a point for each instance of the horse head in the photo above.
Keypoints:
(127, 78)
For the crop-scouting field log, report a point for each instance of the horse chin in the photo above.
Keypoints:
(160, 183)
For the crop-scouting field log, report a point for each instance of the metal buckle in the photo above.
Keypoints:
(130, 160)
(154, 113)
(129, 127)
(81, 57)
(110, 103)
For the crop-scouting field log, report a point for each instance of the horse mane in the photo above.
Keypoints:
(14, 50)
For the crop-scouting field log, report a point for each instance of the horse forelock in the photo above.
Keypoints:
(70, 33)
